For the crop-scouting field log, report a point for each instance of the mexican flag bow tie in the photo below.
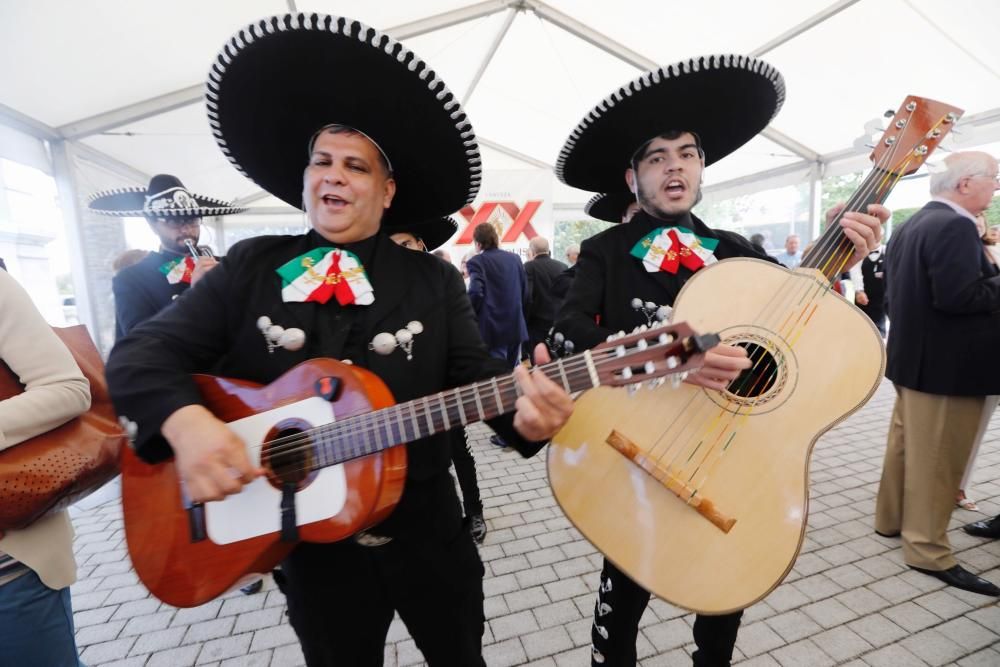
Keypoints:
(178, 270)
(322, 273)
(669, 248)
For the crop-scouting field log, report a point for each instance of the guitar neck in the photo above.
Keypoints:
(373, 432)
(830, 252)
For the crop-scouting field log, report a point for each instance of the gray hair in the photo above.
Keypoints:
(539, 245)
(959, 166)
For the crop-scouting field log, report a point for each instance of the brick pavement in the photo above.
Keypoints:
(848, 601)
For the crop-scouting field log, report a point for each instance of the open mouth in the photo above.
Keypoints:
(334, 201)
(675, 188)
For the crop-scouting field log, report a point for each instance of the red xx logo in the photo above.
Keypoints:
(521, 217)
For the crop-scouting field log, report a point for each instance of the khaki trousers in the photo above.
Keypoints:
(930, 438)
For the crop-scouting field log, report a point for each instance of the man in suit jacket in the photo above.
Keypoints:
(542, 271)
(498, 290)
(943, 296)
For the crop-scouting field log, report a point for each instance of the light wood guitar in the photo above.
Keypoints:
(327, 434)
(633, 471)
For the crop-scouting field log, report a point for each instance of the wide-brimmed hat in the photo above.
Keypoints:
(279, 80)
(164, 197)
(609, 206)
(725, 99)
(434, 233)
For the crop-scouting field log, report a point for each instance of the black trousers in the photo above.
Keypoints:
(620, 603)
(341, 596)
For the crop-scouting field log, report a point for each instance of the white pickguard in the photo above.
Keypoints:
(256, 510)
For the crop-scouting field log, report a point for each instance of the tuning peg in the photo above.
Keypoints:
(649, 367)
(677, 379)
(568, 347)
(656, 382)
(632, 388)
(627, 373)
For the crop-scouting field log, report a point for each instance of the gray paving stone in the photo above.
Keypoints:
(862, 601)
(757, 638)
(793, 625)
(893, 655)
(291, 656)
(967, 633)
(829, 613)
(841, 643)
(225, 647)
(526, 598)
(934, 647)
(260, 659)
(877, 630)
(513, 625)
(557, 613)
(911, 617)
(82, 619)
(985, 658)
(505, 654)
(183, 656)
(279, 635)
(107, 651)
(95, 634)
(138, 625)
(206, 630)
(801, 653)
(158, 640)
(198, 614)
(668, 635)
(546, 642)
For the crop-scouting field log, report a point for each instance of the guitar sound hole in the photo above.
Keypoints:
(288, 455)
(760, 377)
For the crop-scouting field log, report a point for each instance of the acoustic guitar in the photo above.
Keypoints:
(327, 434)
(632, 471)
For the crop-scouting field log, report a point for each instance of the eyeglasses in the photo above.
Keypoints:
(994, 177)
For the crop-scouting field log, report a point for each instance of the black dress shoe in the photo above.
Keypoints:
(959, 577)
(987, 528)
(255, 587)
(881, 534)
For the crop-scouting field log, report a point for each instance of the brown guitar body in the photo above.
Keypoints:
(185, 573)
(748, 456)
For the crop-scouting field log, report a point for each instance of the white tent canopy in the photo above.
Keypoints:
(114, 87)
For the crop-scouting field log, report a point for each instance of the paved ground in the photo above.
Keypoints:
(849, 599)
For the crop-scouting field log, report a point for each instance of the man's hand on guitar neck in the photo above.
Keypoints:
(543, 407)
(863, 230)
(211, 460)
(723, 364)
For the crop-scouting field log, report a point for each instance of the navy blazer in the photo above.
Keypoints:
(142, 291)
(498, 290)
(943, 298)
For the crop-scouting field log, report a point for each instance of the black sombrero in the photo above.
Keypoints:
(434, 233)
(725, 99)
(164, 197)
(279, 80)
(609, 206)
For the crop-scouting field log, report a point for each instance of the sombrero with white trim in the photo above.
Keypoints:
(725, 99)
(280, 79)
(434, 233)
(609, 206)
(164, 197)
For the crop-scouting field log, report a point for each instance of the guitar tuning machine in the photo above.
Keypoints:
(558, 345)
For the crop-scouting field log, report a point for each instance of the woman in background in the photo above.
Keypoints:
(36, 563)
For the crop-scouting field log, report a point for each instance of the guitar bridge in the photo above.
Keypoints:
(662, 474)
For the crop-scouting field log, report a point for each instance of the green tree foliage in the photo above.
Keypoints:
(837, 189)
(574, 231)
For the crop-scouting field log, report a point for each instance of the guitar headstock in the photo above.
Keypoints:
(650, 353)
(916, 129)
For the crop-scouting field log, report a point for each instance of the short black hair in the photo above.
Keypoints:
(670, 135)
(337, 128)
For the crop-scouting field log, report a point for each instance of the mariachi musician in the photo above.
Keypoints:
(374, 139)
(36, 563)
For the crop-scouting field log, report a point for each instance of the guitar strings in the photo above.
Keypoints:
(835, 239)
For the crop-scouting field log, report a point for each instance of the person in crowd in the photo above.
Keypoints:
(426, 237)
(791, 257)
(868, 278)
(942, 293)
(542, 272)
(659, 143)
(36, 563)
(572, 253)
(498, 290)
(130, 257)
(174, 214)
(351, 293)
